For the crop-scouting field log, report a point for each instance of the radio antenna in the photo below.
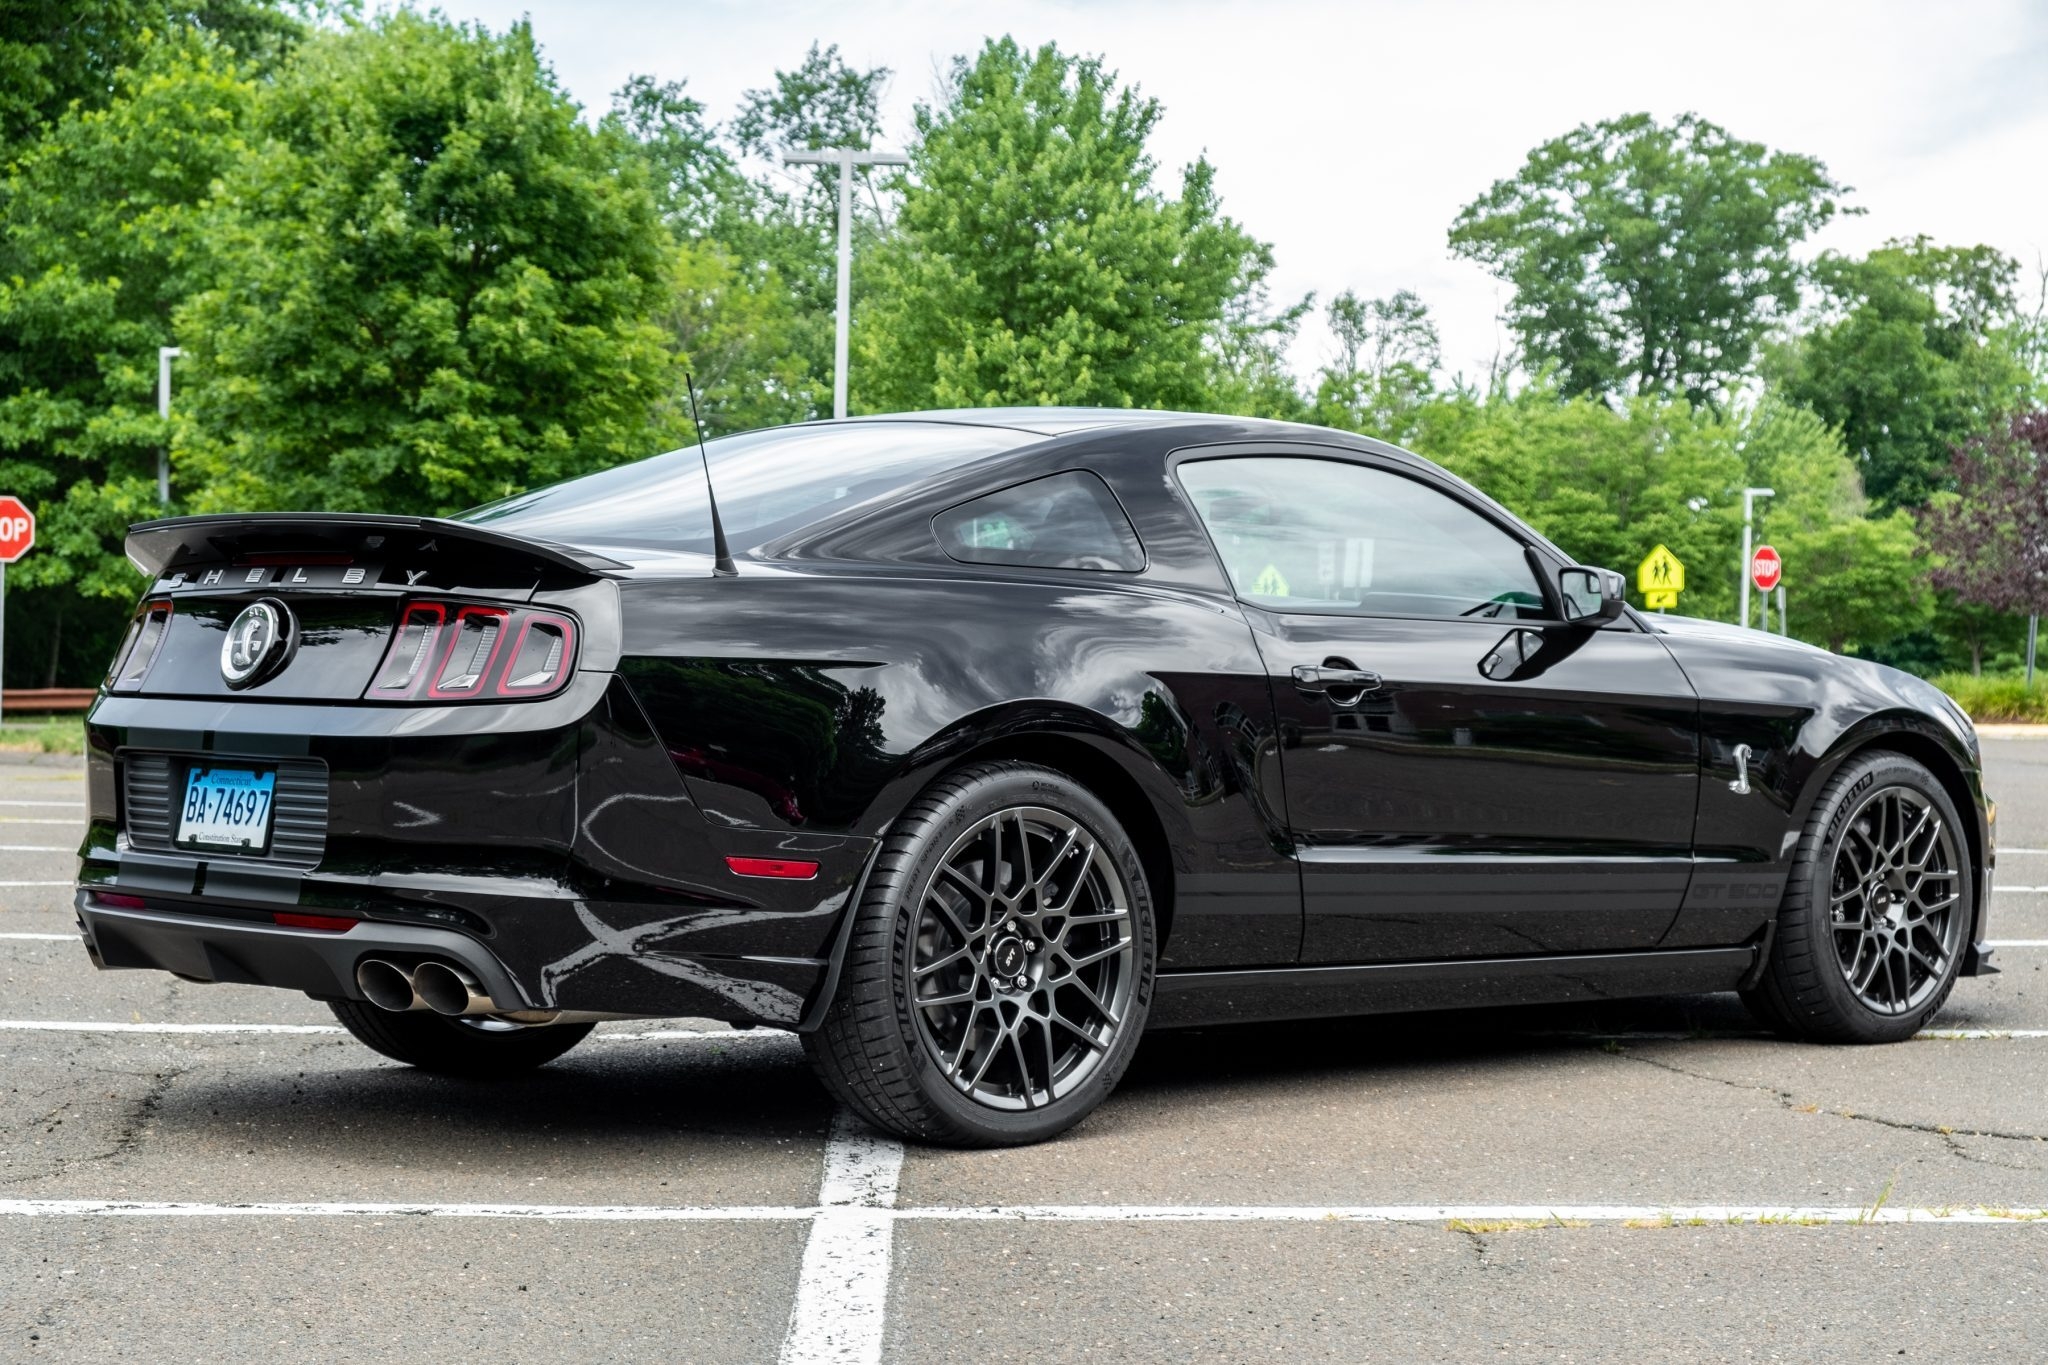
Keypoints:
(722, 564)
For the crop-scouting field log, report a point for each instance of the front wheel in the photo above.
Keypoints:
(1000, 966)
(1876, 915)
(477, 1049)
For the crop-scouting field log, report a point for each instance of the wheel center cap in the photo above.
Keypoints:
(1008, 957)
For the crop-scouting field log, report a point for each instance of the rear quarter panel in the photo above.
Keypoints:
(820, 703)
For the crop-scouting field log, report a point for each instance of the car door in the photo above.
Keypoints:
(1464, 773)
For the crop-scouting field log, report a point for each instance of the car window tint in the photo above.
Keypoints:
(769, 483)
(1301, 534)
(1062, 521)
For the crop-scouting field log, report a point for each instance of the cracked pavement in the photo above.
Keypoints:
(1525, 1107)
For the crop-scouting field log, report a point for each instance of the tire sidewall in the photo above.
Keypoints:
(1855, 1014)
(995, 791)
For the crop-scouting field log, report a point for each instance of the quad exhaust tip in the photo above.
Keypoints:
(449, 990)
(387, 986)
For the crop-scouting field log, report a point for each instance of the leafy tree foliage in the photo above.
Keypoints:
(1386, 365)
(1857, 580)
(55, 54)
(1919, 354)
(436, 284)
(1034, 261)
(102, 235)
(1990, 534)
(1646, 258)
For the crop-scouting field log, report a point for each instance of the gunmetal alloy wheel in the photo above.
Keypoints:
(1023, 965)
(1896, 900)
(998, 969)
(1878, 908)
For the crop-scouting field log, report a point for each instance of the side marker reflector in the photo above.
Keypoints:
(790, 869)
(331, 924)
(114, 900)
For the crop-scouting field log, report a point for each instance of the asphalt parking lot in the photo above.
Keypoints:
(215, 1172)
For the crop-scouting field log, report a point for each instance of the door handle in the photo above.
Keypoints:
(1310, 678)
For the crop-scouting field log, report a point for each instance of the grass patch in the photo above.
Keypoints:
(1999, 697)
(1479, 1228)
(63, 734)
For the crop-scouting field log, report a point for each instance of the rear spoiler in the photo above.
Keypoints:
(163, 547)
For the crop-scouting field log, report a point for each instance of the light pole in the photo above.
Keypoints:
(1749, 497)
(164, 356)
(845, 158)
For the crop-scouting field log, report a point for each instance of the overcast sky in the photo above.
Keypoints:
(1349, 134)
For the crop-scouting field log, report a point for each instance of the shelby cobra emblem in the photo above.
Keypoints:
(257, 642)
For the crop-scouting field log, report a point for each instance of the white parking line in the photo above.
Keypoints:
(1533, 1215)
(80, 805)
(843, 1288)
(38, 848)
(2020, 890)
(2016, 943)
(43, 938)
(63, 883)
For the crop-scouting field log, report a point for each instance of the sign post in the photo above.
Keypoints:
(1767, 571)
(1660, 578)
(17, 536)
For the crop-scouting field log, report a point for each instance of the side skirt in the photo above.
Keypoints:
(1183, 999)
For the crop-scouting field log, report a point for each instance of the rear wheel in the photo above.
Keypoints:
(1000, 966)
(1876, 914)
(481, 1049)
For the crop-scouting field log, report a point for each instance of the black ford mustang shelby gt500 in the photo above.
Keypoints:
(1011, 733)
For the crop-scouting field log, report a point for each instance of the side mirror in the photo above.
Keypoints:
(1591, 595)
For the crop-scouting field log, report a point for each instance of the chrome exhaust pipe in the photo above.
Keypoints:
(387, 986)
(450, 990)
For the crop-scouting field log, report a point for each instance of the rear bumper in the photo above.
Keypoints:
(243, 952)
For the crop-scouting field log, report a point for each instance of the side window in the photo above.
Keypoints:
(1062, 521)
(1303, 534)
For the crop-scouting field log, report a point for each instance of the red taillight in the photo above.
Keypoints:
(475, 639)
(405, 663)
(444, 651)
(139, 650)
(792, 869)
(539, 657)
(115, 900)
(328, 924)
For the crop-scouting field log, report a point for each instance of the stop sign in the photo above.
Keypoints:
(17, 528)
(1765, 568)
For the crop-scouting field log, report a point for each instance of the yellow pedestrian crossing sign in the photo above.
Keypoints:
(1660, 578)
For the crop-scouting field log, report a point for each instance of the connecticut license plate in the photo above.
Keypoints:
(227, 808)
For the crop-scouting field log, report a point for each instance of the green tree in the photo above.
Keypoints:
(1916, 353)
(55, 54)
(1386, 365)
(1646, 258)
(1034, 261)
(1857, 582)
(436, 284)
(730, 317)
(102, 234)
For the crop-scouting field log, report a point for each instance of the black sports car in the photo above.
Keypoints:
(1006, 735)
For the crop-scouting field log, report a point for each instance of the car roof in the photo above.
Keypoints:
(1057, 421)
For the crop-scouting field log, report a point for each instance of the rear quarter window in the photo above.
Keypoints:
(1062, 521)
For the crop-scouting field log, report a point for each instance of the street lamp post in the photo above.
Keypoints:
(845, 158)
(1749, 497)
(164, 356)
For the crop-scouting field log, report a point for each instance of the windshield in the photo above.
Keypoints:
(769, 483)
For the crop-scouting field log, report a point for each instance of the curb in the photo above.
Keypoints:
(23, 758)
(2011, 730)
